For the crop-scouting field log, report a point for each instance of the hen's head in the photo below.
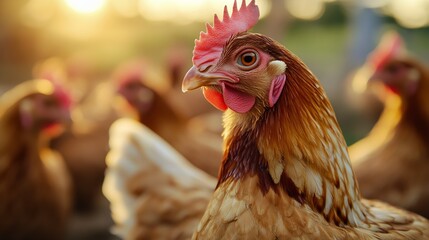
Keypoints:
(41, 106)
(237, 70)
(393, 67)
(131, 86)
(281, 124)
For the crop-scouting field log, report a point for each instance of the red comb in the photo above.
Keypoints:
(209, 47)
(62, 95)
(391, 45)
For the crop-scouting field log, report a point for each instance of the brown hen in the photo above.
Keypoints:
(34, 182)
(286, 172)
(392, 162)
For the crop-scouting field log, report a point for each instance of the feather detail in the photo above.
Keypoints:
(276, 170)
(288, 163)
(316, 195)
(151, 187)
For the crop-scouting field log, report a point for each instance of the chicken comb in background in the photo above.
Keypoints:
(390, 46)
(53, 70)
(209, 47)
(63, 95)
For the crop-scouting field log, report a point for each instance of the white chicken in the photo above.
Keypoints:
(154, 192)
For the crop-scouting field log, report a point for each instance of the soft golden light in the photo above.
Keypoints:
(125, 8)
(185, 11)
(157, 10)
(37, 13)
(360, 80)
(85, 6)
(306, 9)
(411, 13)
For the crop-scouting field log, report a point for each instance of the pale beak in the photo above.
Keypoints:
(191, 80)
(195, 79)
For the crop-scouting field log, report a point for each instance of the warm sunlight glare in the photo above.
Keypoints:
(85, 6)
(306, 9)
(36, 13)
(185, 11)
(360, 80)
(411, 13)
(126, 8)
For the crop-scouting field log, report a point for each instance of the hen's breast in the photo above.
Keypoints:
(239, 210)
(35, 200)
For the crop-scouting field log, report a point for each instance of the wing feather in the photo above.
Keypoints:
(154, 191)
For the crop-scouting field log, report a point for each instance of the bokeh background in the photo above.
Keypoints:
(83, 42)
(93, 37)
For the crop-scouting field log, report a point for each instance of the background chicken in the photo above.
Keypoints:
(154, 192)
(84, 144)
(392, 162)
(150, 108)
(34, 182)
(286, 171)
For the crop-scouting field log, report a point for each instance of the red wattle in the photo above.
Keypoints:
(236, 100)
(215, 98)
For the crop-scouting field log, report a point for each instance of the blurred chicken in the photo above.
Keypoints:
(392, 162)
(84, 146)
(34, 182)
(84, 143)
(150, 108)
(286, 172)
(154, 192)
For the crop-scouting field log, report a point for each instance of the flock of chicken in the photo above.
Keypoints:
(283, 172)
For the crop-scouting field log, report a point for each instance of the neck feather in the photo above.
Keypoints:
(296, 147)
(17, 146)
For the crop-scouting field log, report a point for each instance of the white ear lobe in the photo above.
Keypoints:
(276, 67)
(276, 89)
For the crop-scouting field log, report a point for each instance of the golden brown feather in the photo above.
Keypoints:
(286, 171)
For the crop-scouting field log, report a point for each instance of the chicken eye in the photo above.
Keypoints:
(247, 59)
